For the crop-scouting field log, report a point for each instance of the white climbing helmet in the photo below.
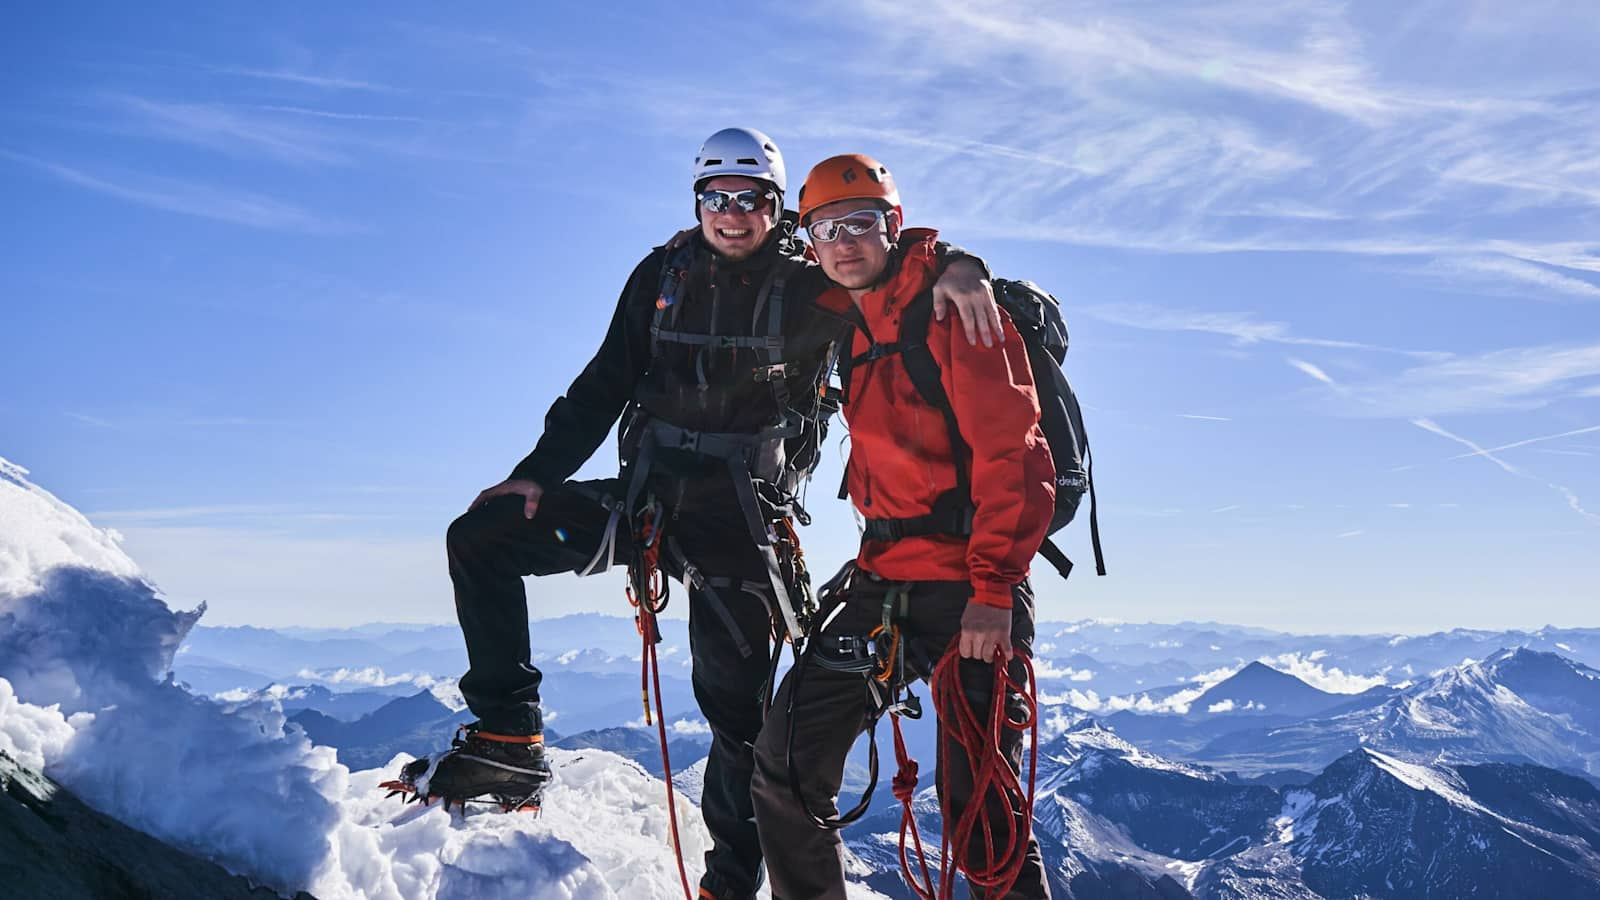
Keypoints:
(740, 151)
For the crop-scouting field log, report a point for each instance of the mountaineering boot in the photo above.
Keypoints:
(509, 770)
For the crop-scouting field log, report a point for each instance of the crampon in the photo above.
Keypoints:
(508, 771)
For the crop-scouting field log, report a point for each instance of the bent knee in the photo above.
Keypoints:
(769, 783)
(479, 524)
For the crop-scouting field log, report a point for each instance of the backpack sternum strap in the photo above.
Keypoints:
(717, 444)
(951, 515)
(767, 343)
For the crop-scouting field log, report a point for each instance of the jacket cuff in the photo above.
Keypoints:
(530, 470)
(990, 594)
(949, 253)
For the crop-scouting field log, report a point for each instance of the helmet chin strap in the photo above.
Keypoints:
(890, 266)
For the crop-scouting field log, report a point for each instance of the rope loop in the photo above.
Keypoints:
(1000, 861)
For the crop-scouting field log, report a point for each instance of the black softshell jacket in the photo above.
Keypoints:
(696, 388)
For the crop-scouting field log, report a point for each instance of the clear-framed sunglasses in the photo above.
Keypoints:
(745, 201)
(857, 223)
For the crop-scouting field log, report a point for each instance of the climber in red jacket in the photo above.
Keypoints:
(950, 526)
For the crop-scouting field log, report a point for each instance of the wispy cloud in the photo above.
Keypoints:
(193, 199)
(219, 127)
(1350, 534)
(1204, 418)
(231, 513)
(1516, 378)
(338, 115)
(1518, 276)
(1244, 328)
(1239, 126)
(309, 79)
(1313, 371)
(168, 420)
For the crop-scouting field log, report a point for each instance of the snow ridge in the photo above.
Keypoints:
(86, 647)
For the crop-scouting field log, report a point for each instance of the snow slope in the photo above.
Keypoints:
(86, 647)
(38, 532)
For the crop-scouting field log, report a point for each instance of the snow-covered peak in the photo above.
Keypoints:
(1086, 745)
(39, 532)
(1529, 665)
(1444, 782)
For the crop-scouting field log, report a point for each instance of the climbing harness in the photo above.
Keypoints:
(881, 657)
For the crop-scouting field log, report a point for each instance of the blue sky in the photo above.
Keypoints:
(286, 285)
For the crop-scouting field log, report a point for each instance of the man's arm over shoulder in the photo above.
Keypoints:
(1013, 476)
(579, 420)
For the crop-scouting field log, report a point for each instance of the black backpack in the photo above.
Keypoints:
(1037, 317)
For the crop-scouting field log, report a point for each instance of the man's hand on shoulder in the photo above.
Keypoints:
(965, 286)
(530, 491)
(985, 629)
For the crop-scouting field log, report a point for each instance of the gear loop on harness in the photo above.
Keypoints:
(881, 665)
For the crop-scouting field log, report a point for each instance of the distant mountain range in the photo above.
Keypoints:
(1517, 706)
(1117, 822)
(1290, 771)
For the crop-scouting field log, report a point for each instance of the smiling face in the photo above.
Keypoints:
(733, 232)
(854, 262)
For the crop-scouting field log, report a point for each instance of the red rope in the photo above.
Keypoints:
(650, 672)
(991, 775)
(666, 764)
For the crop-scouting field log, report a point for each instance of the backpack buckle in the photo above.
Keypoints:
(771, 373)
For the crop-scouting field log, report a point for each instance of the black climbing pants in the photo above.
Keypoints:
(493, 546)
(833, 708)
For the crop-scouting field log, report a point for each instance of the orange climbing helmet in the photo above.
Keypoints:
(851, 176)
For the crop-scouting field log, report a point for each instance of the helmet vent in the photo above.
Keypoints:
(747, 161)
(712, 162)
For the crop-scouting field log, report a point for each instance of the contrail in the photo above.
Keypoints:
(1548, 437)
(1572, 499)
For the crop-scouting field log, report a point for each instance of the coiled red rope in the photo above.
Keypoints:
(648, 600)
(991, 777)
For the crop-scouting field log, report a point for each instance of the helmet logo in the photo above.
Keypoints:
(848, 176)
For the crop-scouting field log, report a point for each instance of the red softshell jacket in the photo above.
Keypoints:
(901, 459)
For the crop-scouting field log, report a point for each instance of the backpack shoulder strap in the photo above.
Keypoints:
(917, 357)
(769, 300)
(674, 274)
